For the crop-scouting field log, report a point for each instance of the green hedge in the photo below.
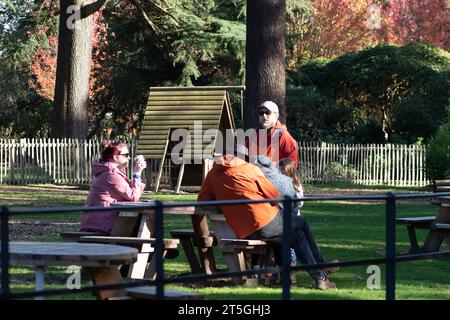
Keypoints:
(438, 155)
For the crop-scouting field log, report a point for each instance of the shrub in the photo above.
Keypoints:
(28, 118)
(336, 171)
(401, 91)
(438, 154)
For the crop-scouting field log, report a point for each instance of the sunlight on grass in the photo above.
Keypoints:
(344, 231)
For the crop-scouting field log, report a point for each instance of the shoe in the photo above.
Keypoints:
(276, 279)
(332, 269)
(324, 284)
(172, 253)
(293, 278)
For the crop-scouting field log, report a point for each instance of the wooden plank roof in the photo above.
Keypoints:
(177, 108)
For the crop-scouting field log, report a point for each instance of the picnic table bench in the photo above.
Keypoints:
(132, 230)
(136, 228)
(438, 226)
(76, 235)
(188, 242)
(149, 293)
(233, 249)
(413, 223)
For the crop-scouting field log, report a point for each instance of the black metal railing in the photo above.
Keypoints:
(390, 258)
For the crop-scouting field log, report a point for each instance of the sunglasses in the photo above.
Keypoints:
(124, 154)
(261, 113)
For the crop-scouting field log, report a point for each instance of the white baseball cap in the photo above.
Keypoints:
(269, 105)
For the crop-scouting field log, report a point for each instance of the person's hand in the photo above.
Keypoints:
(140, 164)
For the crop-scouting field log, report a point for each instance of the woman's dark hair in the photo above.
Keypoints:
(109, 149)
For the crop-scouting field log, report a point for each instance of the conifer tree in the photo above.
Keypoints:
(265, 57)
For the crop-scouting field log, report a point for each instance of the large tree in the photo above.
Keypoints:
(73, 68)
(186, 36)
(192, 43)
(265, 56)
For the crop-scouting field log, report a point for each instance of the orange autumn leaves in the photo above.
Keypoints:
(43, 66)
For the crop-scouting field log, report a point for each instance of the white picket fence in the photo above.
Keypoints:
(67, 161)
(59, 161)
(365, 164)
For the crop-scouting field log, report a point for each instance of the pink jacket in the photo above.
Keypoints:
(110, 185)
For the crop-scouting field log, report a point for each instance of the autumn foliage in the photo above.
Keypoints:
(426, 21)
(327, 29)
(330, 28)
(43, 66)
(324, 28)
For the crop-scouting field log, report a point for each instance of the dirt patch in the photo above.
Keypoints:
(74, 189)
(32, 231)
(362, 192)
(324, 192)
(38, 230)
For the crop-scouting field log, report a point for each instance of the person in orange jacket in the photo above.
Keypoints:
(272, 139)
(233, 178)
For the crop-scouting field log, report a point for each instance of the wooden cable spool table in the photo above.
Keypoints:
(100, 260)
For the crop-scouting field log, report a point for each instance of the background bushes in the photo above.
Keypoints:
(382, 94)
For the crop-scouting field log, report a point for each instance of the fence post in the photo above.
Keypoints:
(285, 253)
(390, 246)
(12, 160)
(159, 234)
(5, 252)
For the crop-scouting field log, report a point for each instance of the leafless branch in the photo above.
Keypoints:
(91, 8)
(138, 5)
(161, 9)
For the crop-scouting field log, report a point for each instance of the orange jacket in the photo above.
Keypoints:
(288, 147)
(235, 180)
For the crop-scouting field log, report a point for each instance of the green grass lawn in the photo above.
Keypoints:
(343, 230)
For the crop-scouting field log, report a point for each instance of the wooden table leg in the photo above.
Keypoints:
(235, 262)
(412, 239)
(39, 281)
(145, 231)
(150, 272)
(434, 238)
(433, 241)
(201, 230)
(103, 276)
(191, 256)
(443, 215)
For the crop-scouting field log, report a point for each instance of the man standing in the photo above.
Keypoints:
(232, 178)
(272, 139)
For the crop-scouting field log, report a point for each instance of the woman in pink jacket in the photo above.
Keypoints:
(110, 185)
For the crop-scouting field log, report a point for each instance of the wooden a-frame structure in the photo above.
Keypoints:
(174, 108)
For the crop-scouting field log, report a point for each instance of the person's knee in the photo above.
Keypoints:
(302, 220)
(298, 222)
(297, 238)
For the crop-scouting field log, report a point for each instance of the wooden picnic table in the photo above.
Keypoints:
(101, 261)
(145, 220)
(440, 229)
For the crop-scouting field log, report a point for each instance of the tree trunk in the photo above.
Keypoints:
(265, 57)
(385, 124)
(72, 73)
